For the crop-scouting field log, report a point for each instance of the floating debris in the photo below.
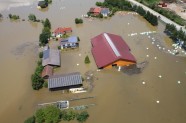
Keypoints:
(79, 54)
(77, 64)
(152, 42)
(179, 82)
(160, 76)
(157, 101)
(143, 83)
(147, 48)
(128, 23)
(155, 57)
(147, 55)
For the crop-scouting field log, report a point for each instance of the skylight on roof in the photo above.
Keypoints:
(112, 45)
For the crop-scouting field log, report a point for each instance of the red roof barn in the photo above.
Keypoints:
(111, 50)
(95, 10)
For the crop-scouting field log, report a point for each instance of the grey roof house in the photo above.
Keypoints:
(105, 12)
(51, 57)
(71, 42)
(65, 80)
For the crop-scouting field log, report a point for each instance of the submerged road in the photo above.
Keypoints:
(163, 18)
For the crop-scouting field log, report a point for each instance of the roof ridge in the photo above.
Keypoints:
(113, 47)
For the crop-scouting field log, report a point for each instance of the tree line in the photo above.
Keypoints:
(119, 5)
(176, 35)
(51, 114)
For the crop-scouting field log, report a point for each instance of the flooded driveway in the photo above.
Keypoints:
(155, 95)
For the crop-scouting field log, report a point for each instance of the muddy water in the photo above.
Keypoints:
(119, 97)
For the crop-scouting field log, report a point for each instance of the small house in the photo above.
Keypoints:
(47, 72)
(95, 10)
(65, 81)
(42, 4)
(105, 12)
(51, 57)
(61, 30)
(71, 42)
(111, 50)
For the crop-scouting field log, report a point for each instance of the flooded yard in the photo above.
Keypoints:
(157, 94)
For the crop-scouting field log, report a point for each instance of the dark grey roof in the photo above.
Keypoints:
(64, 80)
(51, 57)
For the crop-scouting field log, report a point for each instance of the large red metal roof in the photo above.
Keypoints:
(108, 48)
(62, 30)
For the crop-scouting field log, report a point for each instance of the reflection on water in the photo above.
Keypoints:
(7, 4)
(118, 97)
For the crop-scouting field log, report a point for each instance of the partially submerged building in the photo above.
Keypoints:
(95, 10)
(65, 81)
(111, 50)
(105, 12)
(61, 30)
(51, 57)
(71, 42)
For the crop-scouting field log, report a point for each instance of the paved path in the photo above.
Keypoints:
(163, 18)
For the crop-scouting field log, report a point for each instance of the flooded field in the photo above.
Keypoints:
(155, 95)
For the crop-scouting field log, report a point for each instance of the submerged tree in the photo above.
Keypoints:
(47, 23)
(32, 17)
(82, 117)
(37, 81)
(87, 60)
(30, 120)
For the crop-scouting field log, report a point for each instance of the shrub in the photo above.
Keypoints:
(41, 55)
(87, 60)
(40, 116)
(1, 16)
(32, 17)
(59, 47)
(78, 39)
(100, 15)
(45, 84)
(82, 117)
(30, 120)
(78, 20)
(37, 81)
(68, 115)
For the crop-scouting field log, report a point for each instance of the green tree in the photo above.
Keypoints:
(10, 16)
(40, 116)
(37, 81)
(43, 38)
(30, 120)
(68, 115)
(32, 17)
(82, 117)
(41, 55)
(87, 60)
(47, 23)
(52, 114)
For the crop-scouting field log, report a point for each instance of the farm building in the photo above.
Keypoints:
(95, 10)
(71, 42)
(111, 50)
(61, 30)
(47, 72)
(65, 81)
(51, 57)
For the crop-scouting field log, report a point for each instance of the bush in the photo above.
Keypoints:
(30, 120)
(78, 39)
(82, 117)
(47, 23)
(41, 55)
(78, 20)
(59, 47)
(32, 17)
(14, 17)
(68, 115)
(87, 60)
(100, 15)
(37, 81)
(45, 84)
(49, 114)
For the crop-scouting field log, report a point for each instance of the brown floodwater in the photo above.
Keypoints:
(118, 97)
